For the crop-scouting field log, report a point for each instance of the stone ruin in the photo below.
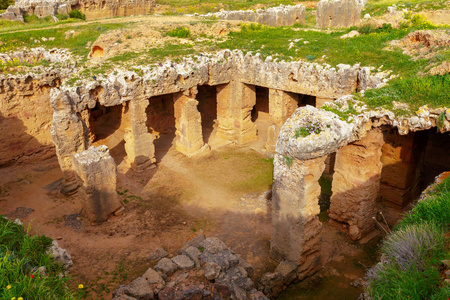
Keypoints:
(92, 9)
(338, 13)
(205, 268)
(273, 16)
(234, 94)
(378, 165)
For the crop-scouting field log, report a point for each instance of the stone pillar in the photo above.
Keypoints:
(138, 141)
(69, 134)
(295, 208)
(188, 122)
(400, 176)
(281, 106)
(96, 170)
(235, 102)
(356, 181)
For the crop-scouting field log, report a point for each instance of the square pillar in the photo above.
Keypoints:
(295, 209)
(281, 106)
(356, 181)
(235, 102)
(188, 122)
(138, 141)
(97, 174)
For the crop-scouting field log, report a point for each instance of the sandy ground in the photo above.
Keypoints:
(163, 208)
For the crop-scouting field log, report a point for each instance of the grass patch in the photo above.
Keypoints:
(417, 91)
(411, 255)
(181, 32)
(20, 256)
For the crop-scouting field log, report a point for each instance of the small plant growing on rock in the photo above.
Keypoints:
(311, 128)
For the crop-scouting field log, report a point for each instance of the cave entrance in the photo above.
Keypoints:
(107, 127)
(161, 123)
(304, 100)
(207, 106)
(260, 113)
(410, 164)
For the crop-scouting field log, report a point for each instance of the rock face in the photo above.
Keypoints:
(356, 182)
(338, 13)
(220, 275)
(96, 9)
(92, 9)
(273, 16)
(25, 111)
(97, 171)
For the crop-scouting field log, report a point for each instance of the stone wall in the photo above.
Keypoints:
(25, 111)
(233, 73)
(338, 13)
(273, 16)
(92, 9)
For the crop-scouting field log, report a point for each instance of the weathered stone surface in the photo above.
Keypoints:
(212, 270)
(166, 266)
(338, 13)
(158, 254)
(281, 106)
(194, 240)
(60, 255)
(140, 289)
(194, 254)
(12, 13)
(97, 170)
(295, 193)
(213, 245)
(356, 183)
(183, 262)
(93, 9)
(272, 16)
(189, 137)
(333, 134)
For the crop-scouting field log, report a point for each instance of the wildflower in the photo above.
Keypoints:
(80, 286)
(20, 298)
(8, 286)
(32, 276)
(13, 298)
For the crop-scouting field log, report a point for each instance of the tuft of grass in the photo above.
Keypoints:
(20, 256)
(76, 14)
(180, 32)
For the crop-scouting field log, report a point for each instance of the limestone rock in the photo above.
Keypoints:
(97, 170)
(60, 255)
(183, 262)
(272, 16)
(212, 270)
(213, 245)
(194, 254)
(333, 134)
(166, 266)
(338, 13)
(12, 13)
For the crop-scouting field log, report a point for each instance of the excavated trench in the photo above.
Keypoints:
(184, 145)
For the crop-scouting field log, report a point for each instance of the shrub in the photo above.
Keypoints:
(367, 28)
(76, 14)
(62, 16)
(181, 32)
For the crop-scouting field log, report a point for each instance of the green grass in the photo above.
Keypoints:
(20, 254)
(379, 7)
(194, 6)
(181, 32)
(417, 91)
(413, 252)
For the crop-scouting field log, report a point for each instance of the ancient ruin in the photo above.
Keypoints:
(338, 13)
(99, 127)
(92, 9)
(273, 16)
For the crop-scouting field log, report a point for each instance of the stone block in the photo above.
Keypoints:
(338, 13)
(96, 170)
